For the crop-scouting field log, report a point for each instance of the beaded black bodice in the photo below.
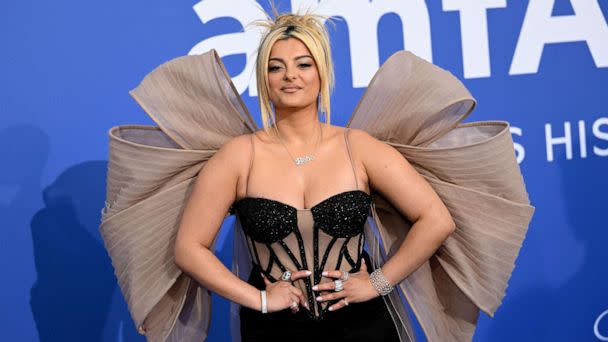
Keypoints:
(327, 236)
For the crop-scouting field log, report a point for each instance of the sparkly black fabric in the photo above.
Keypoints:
(268, 221)
(343, 215)
(368, 321)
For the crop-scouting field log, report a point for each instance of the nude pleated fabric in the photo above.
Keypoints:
(410, 104)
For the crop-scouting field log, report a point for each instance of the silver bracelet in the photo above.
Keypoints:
(380, 283)
(264, 303)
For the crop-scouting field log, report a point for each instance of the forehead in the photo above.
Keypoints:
(288, 49)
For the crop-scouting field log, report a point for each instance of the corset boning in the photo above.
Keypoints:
(328, 236)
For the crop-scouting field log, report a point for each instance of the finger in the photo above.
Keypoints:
(301, 297)
(338, 305)
(363, 265)
(294, 299)
(266, 281)
(304, 301)
(300, 274)
(331, 296)
(325, 286)
(332, 274)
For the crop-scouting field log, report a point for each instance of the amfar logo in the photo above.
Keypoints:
(596, 329)
(362, 16)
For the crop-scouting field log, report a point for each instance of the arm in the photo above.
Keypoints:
(213, 193)
(210, 200)
(393, 176)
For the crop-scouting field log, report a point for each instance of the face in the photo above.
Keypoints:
(293, 79)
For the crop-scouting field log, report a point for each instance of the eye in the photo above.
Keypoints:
(305, 65)
(273, 68)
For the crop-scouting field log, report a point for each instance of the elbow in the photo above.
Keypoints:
(179, 255)
(443, 222)
(450, 226)
(442, 227)
(186, 254)
(446, 222)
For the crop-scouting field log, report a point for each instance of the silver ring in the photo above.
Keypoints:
(345, 302)
(344, 275)
(339, 285)
(294, 305)
(286, 276)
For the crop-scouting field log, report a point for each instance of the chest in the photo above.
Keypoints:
(341, 215)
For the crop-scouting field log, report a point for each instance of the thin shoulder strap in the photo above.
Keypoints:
(346, 132)
(250, 164)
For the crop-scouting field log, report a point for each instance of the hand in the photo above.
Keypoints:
(357, 288)
(282, 294)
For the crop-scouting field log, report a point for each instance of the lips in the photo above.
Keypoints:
(290, 89)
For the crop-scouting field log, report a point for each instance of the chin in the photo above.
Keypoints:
(293, 104)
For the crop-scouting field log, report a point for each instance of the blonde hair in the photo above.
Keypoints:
(309, 29)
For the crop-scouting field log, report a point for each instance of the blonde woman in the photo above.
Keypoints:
(301, 190)
(337, 234)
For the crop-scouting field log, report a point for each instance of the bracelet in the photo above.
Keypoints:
(380, 283)
(264, 304)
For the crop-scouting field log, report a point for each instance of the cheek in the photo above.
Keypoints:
(312, 79)
(274, 81)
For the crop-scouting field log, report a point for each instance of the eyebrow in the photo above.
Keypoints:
(282, 61)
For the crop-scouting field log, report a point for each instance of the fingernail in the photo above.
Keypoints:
(315, 287)
(308, 273)
(319, 298)
(324, 273)
(306, 305)
(331, 309)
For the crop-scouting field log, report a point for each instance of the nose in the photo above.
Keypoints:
(288, 75)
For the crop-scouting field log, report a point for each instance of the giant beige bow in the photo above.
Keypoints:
(410, 104)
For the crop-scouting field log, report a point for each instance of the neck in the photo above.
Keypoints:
(298, 126)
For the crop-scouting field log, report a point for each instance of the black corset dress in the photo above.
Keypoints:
(328, 236)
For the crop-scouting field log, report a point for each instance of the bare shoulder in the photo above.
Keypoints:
(392, 175)
(230, 162)
(236, 143)
(359, 136)
(235, 151)
(368, 147)
(376, 156)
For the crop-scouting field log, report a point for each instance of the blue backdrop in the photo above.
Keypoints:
(66, 67)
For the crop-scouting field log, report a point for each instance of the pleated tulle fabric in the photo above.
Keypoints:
(410, 104)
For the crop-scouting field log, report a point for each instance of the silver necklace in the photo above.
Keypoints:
(306, 158)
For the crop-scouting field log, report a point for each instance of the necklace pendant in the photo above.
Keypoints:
(303, 160)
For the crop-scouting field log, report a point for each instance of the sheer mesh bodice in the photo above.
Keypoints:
(327, 236)
(410, 104)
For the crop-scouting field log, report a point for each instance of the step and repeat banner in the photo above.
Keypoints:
(67, 66)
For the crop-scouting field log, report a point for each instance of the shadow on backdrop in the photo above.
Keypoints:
(24, 154)
(76, 297)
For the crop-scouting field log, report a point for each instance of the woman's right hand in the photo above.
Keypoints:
(281, 294)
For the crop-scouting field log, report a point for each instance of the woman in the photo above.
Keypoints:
(263, 164)
(302, 191)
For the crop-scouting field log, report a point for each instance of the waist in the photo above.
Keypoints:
(318, 310)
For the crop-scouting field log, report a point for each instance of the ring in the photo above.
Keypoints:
(344, 275)
(339, 285)
(294, 305)
(286, 276)
(345, 302)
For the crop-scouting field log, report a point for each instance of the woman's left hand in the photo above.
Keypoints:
(357, 288)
